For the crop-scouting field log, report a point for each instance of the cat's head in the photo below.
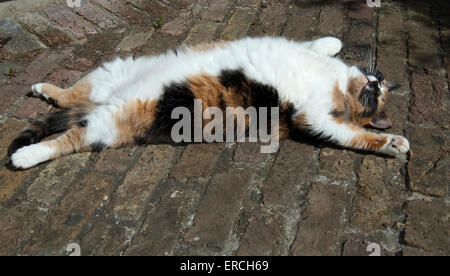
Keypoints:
(369, 91)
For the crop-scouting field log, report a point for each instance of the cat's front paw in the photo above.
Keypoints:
(36, 90)
(395, 145)
(30, 156)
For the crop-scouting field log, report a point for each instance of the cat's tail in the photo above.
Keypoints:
(47, 125)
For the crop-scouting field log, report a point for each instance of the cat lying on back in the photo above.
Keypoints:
(130, 101)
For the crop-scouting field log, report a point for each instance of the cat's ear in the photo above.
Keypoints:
(381, 122)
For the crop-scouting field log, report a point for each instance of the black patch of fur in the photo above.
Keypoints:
(98, 147)
(47, 125)
(369, 99)
(175, 95)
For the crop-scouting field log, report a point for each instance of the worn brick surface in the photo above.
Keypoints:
(273, 15)
(378, 203)
(216, 212)
(58, 176)
(69, 216)
(238, 24)
(427, 226)
(287, 181)
(44, 64)
(319, 231)
(197, 160)
(217, 10)
(46, 31)
(70, 21)
(428, 167)
(130, 199)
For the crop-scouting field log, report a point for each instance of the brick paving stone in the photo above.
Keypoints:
(81, 64)
(332, 21)
(262, 235)
(66, 220)
(217, 10)
(249, 152)
(158, 44)
(56, 178)
(20, 42)
(10, 94)
(428, 166)
(70, 21)
(238, 24)
(64, 78)
(378, 202)
(271, 19)
(41, 66)
(175, 204)
(43, 28)
(249, 3)
(130, 199)
(201, 32)
(427, 226)
(430, 98)
(197, 160)
(31, 108)
(216, 212)
(319, 231)
(95, 50)
(178, 25)
(106, 239)
(302, 23)
(423, 40)
(17, 223)
(287, 180)
(134, 40)
(125, 11)
(391, 28)
(397, 110)
(9, 180)
(338, 166)
(114, 161)
(93, 13)
(392, 62)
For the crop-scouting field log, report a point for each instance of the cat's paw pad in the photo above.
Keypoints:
(395, 145)
(36, 90)
(30, 156)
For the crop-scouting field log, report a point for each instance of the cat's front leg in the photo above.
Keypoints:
(347, 134)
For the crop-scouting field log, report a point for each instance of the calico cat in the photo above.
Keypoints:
(130, 101)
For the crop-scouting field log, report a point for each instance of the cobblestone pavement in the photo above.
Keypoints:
(228, 199)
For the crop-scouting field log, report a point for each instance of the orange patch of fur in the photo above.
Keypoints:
(133, 120)
(71, 141)
(368, 141)
(77, 94)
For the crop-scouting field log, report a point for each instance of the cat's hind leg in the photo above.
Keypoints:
(75, 95)
(328, 46)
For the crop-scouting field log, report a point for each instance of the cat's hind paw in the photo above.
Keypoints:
(30, 156)
(36, 91)
(396, 146)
